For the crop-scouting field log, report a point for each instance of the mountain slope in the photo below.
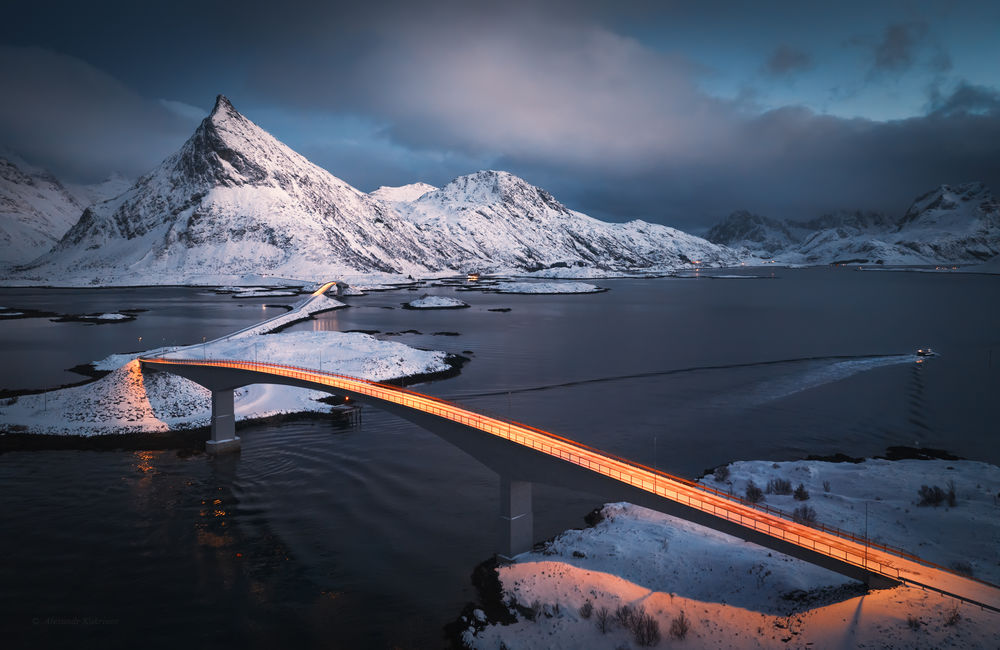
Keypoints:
(233, 201)
(948, 225)
(35, 210)
(236, 203)
(401, 194)
(495, 220)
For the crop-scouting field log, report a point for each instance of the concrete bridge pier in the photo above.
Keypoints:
(223, 423)
(516, 518)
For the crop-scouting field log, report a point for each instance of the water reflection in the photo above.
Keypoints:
(330, 323)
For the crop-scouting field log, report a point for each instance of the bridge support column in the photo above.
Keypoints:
(223, 424)
(516, 519)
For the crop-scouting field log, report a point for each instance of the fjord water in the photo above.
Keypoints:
(323, 535)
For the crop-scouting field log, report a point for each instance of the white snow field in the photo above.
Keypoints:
(547, 287)
(130, 401)
(436, 302)
(737, 594)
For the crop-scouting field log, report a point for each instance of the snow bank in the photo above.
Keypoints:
(547, 287)
(129, 401)
(268, 293)
(736, 594)
(435, 302)
(108, 317)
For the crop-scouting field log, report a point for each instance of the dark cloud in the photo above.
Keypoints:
(614, 122)
(897, 50)
(967, 99)
(786, 60)
(80, 122)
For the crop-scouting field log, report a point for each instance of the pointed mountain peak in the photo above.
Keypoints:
(223, 107)
(492, 186)
(402, 193)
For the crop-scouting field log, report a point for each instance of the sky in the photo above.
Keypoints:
(672, 112)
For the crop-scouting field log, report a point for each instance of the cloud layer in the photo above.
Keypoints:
(609, 112)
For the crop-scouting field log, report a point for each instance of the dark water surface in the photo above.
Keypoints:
(319, 535)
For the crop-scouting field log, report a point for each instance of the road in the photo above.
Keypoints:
(881, 560)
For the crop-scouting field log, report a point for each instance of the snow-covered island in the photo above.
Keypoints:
(716, 591)
(547, 288)
(435, 302)
(130, 401)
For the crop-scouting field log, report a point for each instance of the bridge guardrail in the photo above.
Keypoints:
(610, 465)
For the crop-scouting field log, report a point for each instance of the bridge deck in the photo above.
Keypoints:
(880, 560)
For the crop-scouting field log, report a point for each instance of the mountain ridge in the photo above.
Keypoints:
(235, 202)
(950, 224)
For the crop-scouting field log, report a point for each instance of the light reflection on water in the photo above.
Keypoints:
(318, 534)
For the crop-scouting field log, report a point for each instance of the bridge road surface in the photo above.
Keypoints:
(875, 563)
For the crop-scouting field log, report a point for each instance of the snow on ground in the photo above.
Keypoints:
(436, 302)
(266, 293)
(732, 592)
(108, 316)
(578, 273)
(547, 287)
(130, 401)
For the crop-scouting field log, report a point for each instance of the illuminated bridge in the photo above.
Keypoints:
(523, 455)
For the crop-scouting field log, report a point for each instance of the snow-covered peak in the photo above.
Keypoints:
(491, 187)
(402, 193)
(224, 110)
(950, 224)
(35, 210)
(760, 234)
(951, 206)
(109, 188)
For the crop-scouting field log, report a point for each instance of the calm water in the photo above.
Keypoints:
(317, 535)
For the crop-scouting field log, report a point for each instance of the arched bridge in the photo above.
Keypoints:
(522, 454)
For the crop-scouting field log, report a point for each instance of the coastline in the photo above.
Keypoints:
(630, 556)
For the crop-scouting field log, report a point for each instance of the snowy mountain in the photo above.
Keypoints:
(761, 235)
(235, 203)
(949, 225)
(35, 210)
(109, 188)
(401, 194)
(495, 220)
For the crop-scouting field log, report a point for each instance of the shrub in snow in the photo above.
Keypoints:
(603, 620)
(645, 629)
(721, 474)
(962, 567)
(753, 493)
(952, 616)
(625, 615)
(804, 515)
(932, 495)
(801, 494)
(679, 626)
(779, 486)
(587, 609)
(913, 622)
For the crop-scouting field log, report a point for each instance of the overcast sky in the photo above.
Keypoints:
(672, 112)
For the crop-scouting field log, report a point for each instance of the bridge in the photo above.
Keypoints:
(523, 455)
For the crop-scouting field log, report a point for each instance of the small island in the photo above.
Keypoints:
(548, 288)
(435, 302)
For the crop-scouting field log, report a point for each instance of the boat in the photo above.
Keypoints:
(925, 352)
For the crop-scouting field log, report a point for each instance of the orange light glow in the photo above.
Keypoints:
(843, 546)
